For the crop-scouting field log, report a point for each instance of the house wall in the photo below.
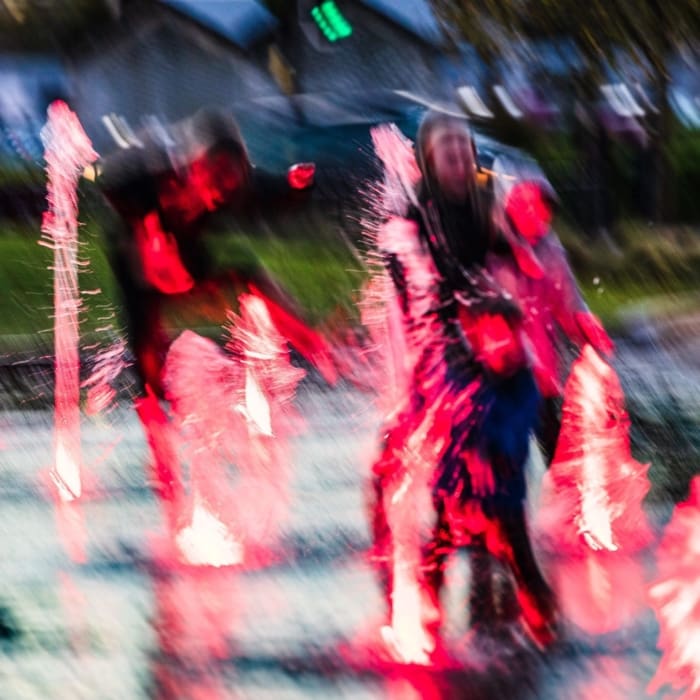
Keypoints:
(158, 64)
(379, 54)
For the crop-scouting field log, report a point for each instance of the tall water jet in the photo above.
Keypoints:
(68, 151)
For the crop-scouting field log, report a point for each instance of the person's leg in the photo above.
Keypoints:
(149, 344)
(536, 599)
(148, 339)
(482, 610)
(381, 540)
(435, 555)
(383, 471)
(548, 427)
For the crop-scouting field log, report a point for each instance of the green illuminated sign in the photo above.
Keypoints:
(331, 21)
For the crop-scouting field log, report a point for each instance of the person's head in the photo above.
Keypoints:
(216, 166)
(529, 206)
(446, 155)
(214, 176)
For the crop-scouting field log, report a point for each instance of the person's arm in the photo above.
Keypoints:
(492, 328)
(279, 193)
(309, 342)
(503, 237)
(286, 314)
(568, 306)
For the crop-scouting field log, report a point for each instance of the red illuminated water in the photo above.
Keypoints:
(233, 416)
(591, 502)
(68, 151)
(675, 597)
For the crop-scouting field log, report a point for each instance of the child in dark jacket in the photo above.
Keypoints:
(171, 202)
(462, 431)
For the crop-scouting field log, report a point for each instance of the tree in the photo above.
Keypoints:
(49, 25)
(649, 32)
(657, 30)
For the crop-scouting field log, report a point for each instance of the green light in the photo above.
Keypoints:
(331, 21)
(323, 24)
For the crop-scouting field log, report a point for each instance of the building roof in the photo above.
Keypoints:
(242, 22)
(416, 16)
(27, 83)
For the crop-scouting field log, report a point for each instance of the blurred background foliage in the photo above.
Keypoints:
(603, 35)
